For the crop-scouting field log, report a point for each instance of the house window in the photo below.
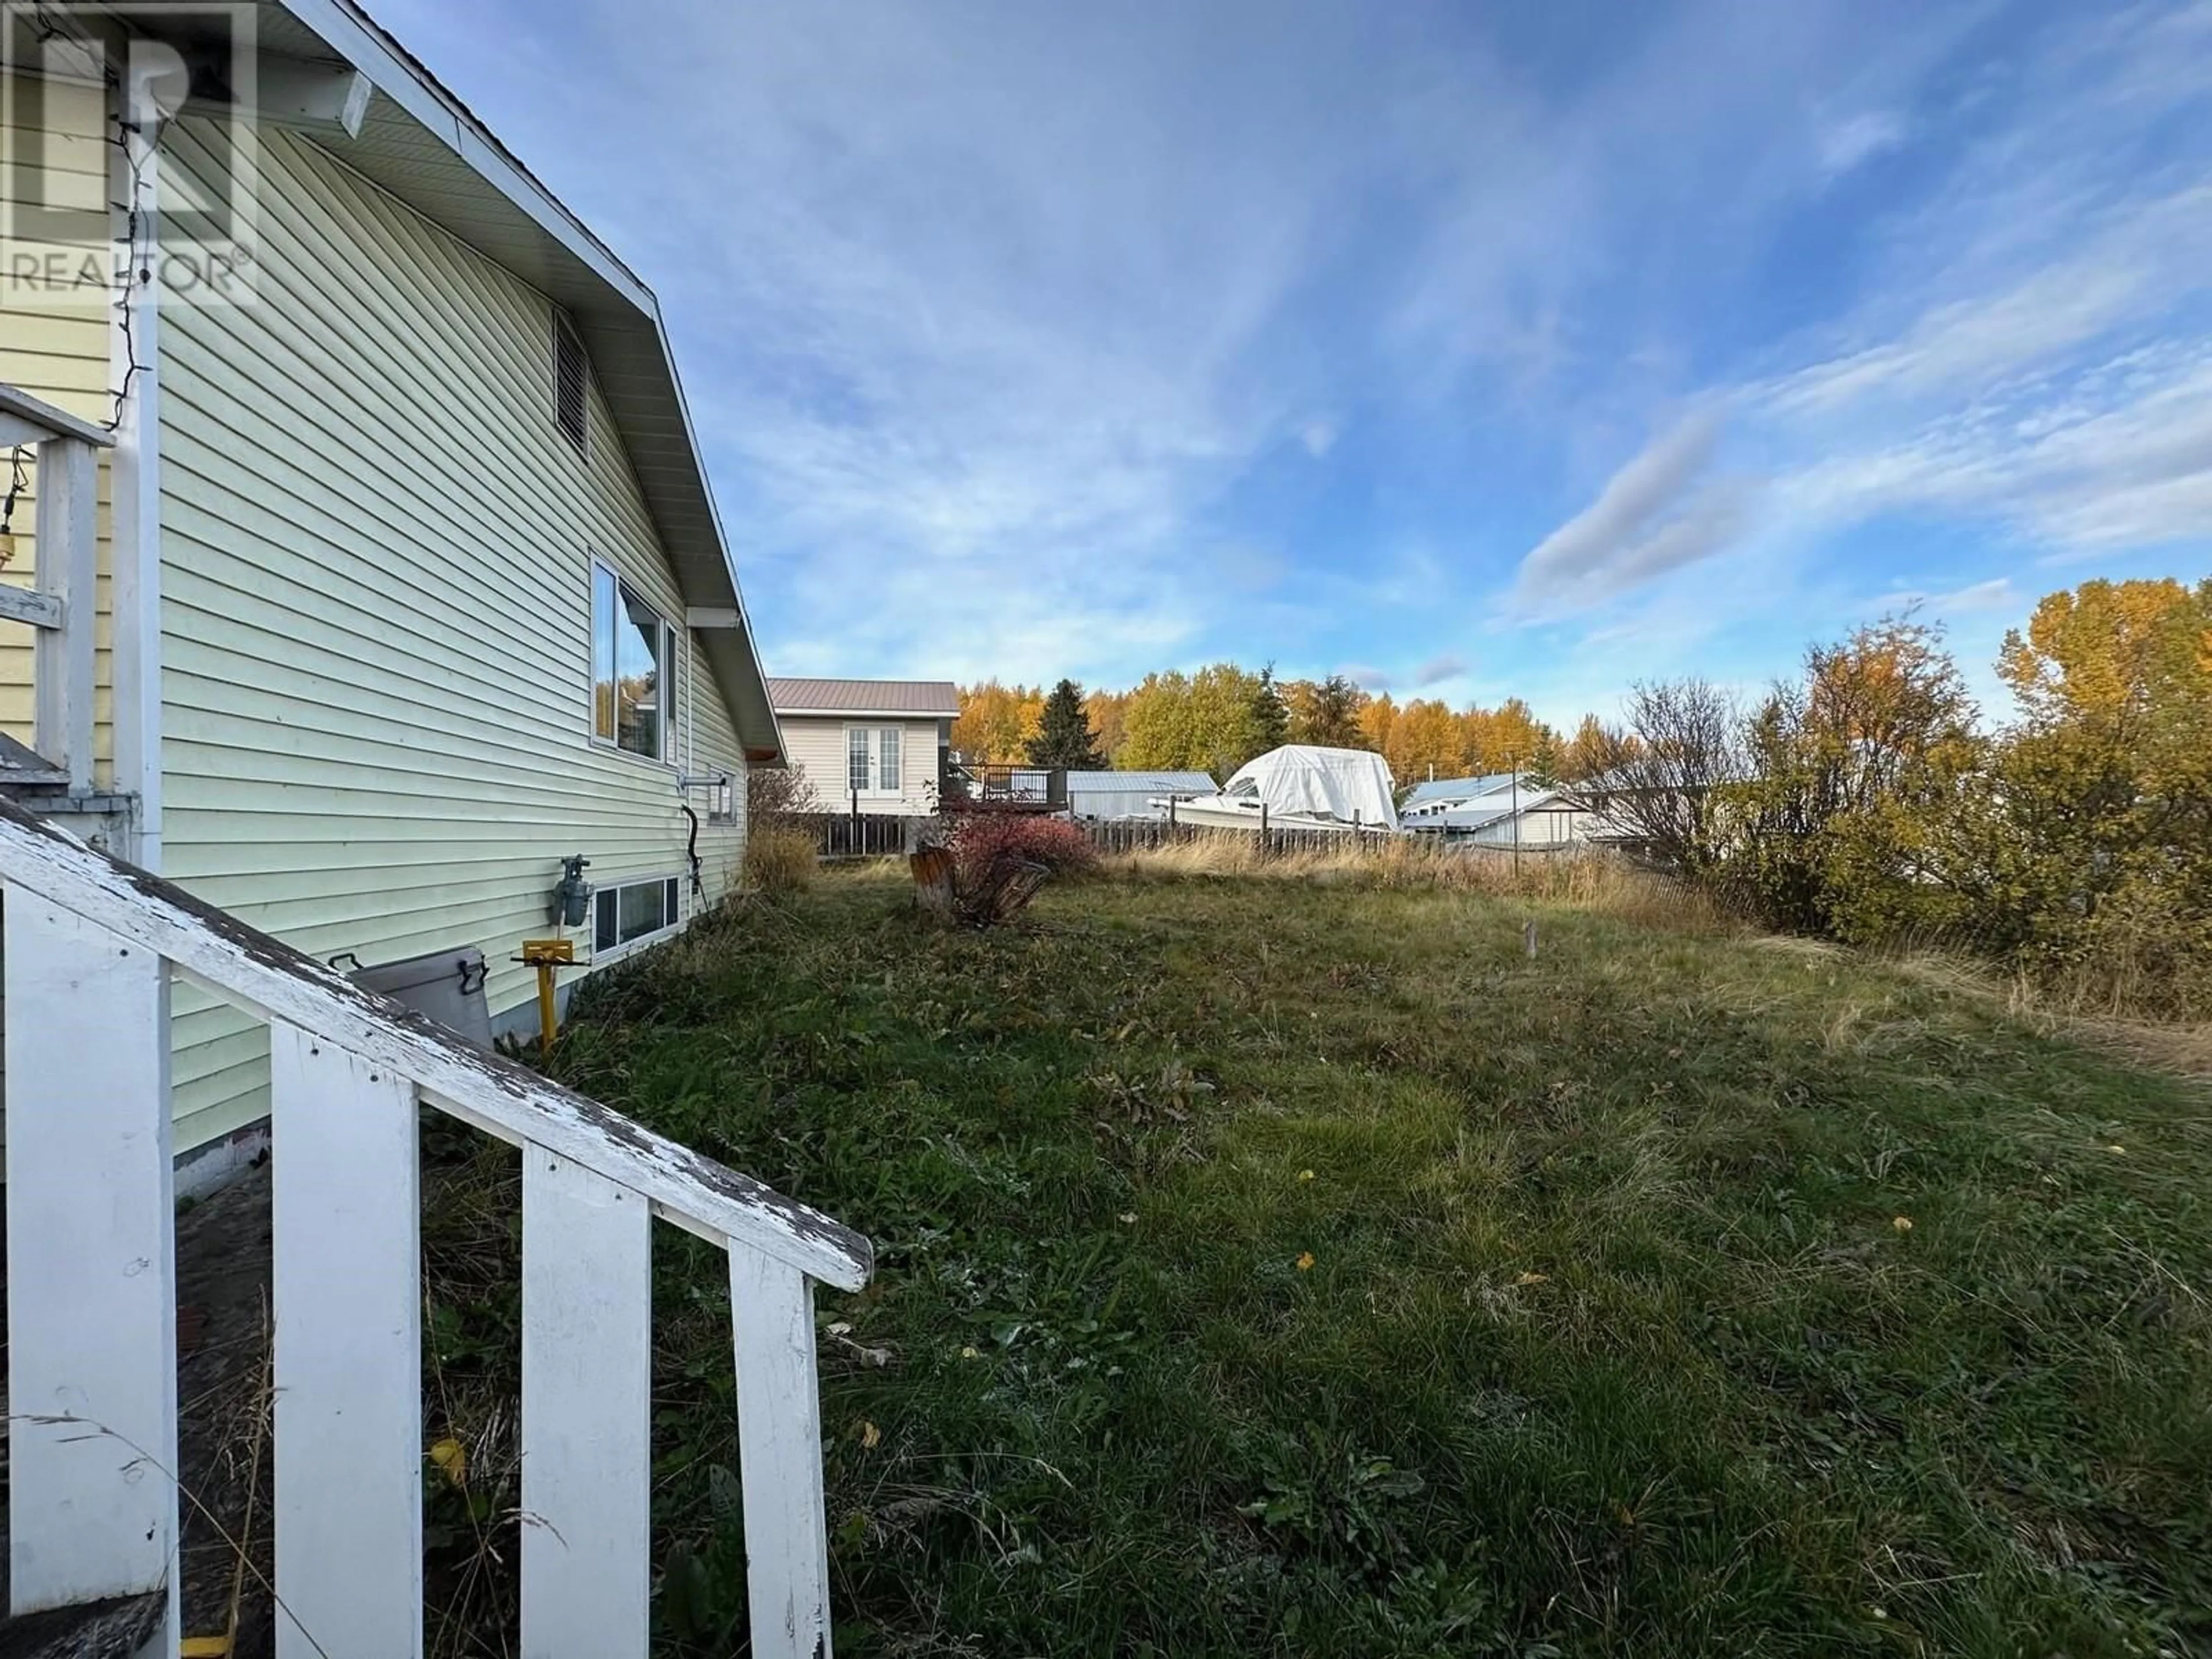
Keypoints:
(630, 681)
(722, 801)
(570, 372)
(623, 915)
(871, 760)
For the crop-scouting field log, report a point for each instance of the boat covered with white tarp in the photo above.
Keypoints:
(1301, 786)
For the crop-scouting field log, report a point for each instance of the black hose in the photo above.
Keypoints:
(691, 851)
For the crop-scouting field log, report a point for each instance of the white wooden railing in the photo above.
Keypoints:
(91, 944)
(60, 607)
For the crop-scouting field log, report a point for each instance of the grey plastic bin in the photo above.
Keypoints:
(446, 985)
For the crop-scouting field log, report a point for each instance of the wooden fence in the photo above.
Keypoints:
(1139, 836)
(855, 835)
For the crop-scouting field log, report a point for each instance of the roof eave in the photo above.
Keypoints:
(868, 714)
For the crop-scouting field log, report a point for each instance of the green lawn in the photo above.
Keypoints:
(1279, 1268)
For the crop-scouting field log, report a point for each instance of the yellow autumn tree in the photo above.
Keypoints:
(1200, 722)
(2099, 814)
(1502, 738)
(1110, 719)
(1377, 716)
(1584, 755)
(2108, 650)
(996, 721)
(1426, 741)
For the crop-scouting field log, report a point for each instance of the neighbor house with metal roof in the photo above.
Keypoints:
(869, 746)
(409, 581)
(1502, 810)
(1435, 795)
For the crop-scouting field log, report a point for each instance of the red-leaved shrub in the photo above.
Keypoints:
(981, 839)
(999, 860)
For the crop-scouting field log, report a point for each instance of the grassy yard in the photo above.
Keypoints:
(1272, 1268)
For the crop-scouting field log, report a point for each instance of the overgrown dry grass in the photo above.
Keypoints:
(1589, 879)
(780, 859)
(1282, 1263)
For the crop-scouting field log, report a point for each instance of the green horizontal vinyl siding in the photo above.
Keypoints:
(376, 594)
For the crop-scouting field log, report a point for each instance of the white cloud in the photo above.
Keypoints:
(1997, 594)
(1656, 513)
(1319, 437)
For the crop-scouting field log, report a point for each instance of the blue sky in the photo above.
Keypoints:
(1475, 349)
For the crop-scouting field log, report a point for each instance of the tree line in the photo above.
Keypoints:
(1863, 799)
(1215, 719)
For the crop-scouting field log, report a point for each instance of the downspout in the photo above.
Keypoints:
(135, 478)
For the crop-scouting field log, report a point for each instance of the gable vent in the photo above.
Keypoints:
(568, 373)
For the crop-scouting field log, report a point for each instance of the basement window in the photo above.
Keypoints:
(570, 371)
(635, 911)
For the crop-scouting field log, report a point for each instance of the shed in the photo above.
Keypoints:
(1131, 794)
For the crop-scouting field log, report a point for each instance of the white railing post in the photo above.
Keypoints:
(587, 1412)
(348, 1279)
(62, 658)
(90, 942)
(91, 1343)
(780, 1458)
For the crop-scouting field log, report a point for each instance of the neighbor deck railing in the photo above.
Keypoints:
(91, 944)
(994, 783)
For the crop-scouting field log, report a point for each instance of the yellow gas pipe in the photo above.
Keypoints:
(547, 956)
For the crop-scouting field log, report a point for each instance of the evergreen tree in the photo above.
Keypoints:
(1270, 717)
(1064, 736)
(1545, 762)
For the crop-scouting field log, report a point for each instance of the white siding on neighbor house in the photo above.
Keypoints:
(376, 596)
(816, 744)
(1546, 827)
(54, 344)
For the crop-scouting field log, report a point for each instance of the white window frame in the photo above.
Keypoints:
(610, 742)
(722, 801)
(875, 731)
(669, 928)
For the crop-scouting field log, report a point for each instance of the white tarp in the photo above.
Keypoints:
(1348, 785)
